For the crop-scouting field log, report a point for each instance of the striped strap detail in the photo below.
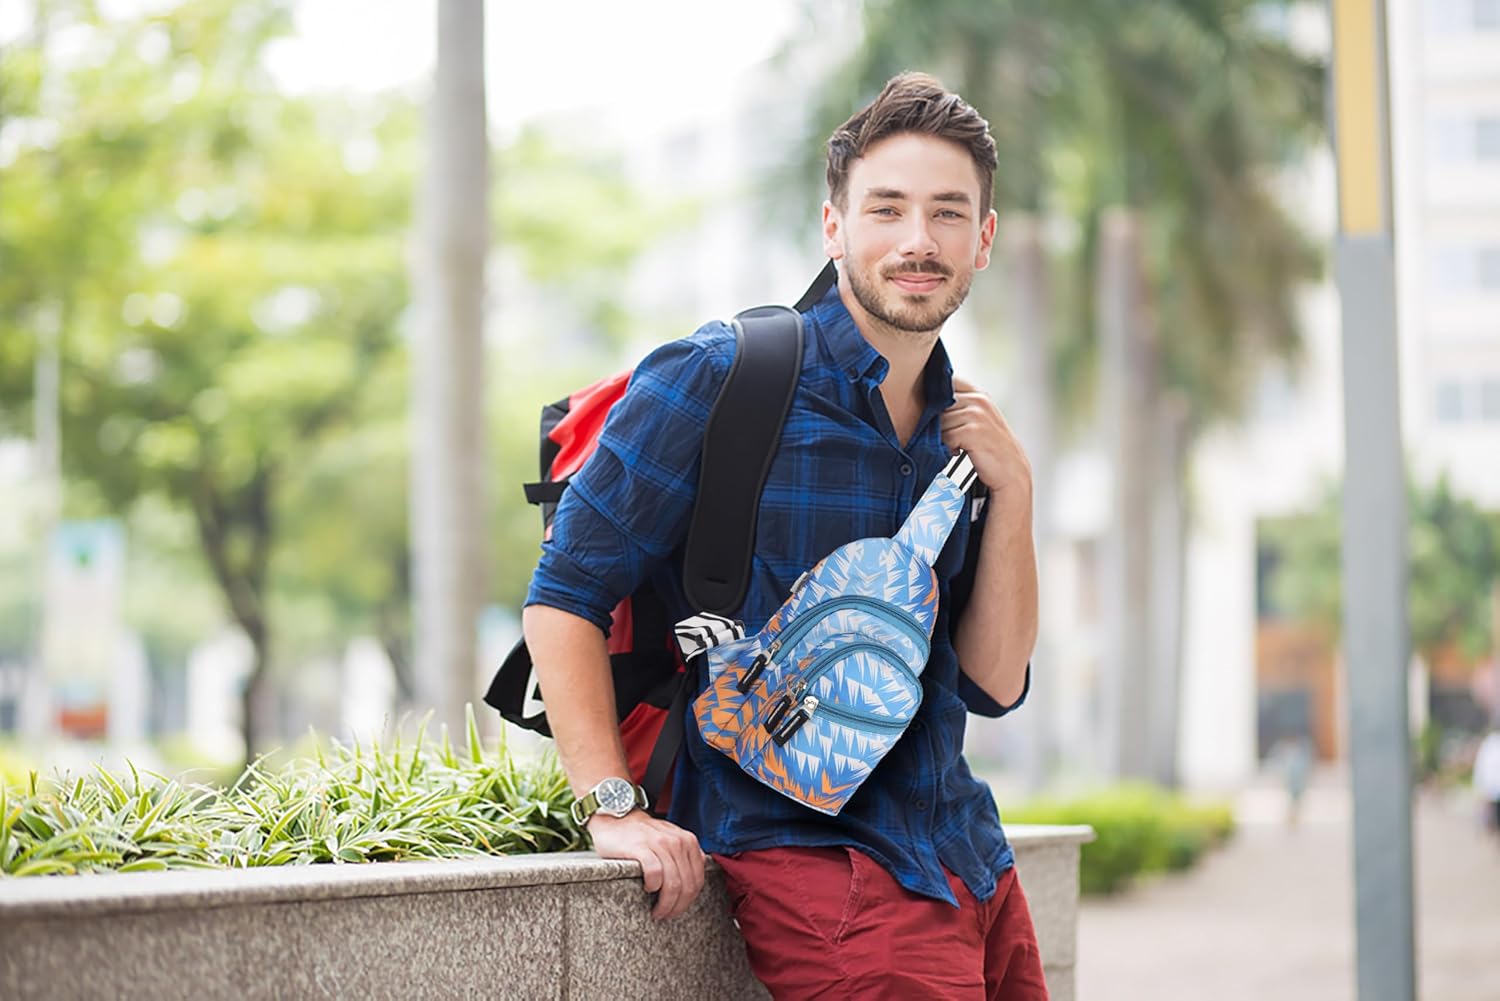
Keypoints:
(697, 633)
(960, 469)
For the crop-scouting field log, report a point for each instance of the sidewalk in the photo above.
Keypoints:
(1271, 914)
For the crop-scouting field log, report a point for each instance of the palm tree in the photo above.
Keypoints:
(1152, 133)
(1194, 105)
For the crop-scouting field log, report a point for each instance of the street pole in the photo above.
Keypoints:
(1376, 635)
(448, 460)
(36, 712)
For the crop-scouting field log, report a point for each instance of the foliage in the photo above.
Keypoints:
(1454, 563)
(577, 225)
(1139, 829)
(221, 268)
(349, 804)
(1179, 111)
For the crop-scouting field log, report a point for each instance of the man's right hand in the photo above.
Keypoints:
(670, 858)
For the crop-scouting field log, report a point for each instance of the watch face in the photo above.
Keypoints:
(616, 796)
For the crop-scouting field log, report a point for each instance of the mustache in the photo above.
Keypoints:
(919, 268)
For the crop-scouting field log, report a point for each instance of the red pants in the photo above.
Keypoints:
(832, 923)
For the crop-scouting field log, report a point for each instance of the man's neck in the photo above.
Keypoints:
(906, 353)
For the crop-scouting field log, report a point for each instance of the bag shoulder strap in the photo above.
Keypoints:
(933, 517)
(739, 443)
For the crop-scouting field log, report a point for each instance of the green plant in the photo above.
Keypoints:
(1139, 829)
(372, 803)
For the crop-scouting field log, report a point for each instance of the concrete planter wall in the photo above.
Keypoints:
(543, 926)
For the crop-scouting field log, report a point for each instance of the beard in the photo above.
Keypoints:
(913, 314)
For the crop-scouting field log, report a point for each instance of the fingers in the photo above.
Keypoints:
(669, 901)
(670, 859)
(683, 862)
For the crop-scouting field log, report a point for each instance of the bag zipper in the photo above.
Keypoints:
(812, 704)
(903, 619)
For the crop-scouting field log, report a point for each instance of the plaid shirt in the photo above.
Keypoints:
(840, 473)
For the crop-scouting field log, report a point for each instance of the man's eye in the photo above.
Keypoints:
(950, 214)
(885, 210)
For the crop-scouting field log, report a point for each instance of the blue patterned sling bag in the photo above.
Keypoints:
(811, 703)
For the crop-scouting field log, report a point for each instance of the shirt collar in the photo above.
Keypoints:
(858, 359)
(846, 346)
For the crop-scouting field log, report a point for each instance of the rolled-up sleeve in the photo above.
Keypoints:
(628, 508)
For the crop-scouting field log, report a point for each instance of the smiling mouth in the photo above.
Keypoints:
(916, 284)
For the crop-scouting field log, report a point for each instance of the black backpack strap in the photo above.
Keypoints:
(544, 492)
(659, 775)
(739, 443)
(827, 279)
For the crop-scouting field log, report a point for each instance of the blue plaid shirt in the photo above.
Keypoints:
(839, 474)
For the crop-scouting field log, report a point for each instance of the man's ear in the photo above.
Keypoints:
(833, 232)
(986, 241)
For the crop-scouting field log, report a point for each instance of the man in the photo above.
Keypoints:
(910, 891)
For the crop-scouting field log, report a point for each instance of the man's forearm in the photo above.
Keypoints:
(998, 631)
(572, 666)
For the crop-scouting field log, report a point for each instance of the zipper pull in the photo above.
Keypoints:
(753, 672)
(796, 721)
(788, 699)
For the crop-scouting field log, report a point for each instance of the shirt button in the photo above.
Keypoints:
(920, 804)
(906, 469)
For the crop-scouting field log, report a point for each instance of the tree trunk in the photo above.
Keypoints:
(1125, 394)
(1024, 256)
(253, 697)
(242, 582)
(1169, 516)
(448, 463)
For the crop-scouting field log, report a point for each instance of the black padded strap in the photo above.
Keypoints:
(739, 443)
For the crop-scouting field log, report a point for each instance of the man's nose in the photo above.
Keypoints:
(917, 241)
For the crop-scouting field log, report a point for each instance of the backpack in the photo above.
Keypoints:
(739, 441)
(810, 704)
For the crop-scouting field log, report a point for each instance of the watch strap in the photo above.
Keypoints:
(585, 806)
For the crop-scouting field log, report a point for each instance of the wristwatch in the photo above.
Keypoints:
(614, 796)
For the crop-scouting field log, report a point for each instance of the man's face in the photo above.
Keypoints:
(912, 234)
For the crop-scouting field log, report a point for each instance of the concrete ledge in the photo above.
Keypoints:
(539, 926)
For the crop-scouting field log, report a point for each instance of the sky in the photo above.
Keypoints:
(546, 57)
(540, 57)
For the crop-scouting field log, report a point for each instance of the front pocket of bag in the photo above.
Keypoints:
(858, 718)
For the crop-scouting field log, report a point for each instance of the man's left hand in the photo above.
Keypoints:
(976, 425)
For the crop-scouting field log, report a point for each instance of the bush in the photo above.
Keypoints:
(1139, 829)
(349, 804)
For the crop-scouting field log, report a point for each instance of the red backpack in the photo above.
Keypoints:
(650, 679)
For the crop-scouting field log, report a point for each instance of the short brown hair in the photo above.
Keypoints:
(912, 102)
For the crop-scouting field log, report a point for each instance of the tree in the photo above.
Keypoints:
(1455, 566)
(223, 265)
(1153, 134)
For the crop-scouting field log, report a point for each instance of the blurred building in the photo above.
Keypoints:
(1253, 677)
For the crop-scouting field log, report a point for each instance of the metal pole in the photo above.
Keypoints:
(36, 713)
(1376, 640)
(448, 467)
